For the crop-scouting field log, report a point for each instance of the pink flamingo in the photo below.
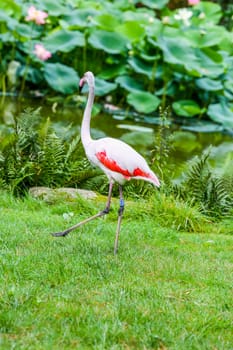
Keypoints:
(119, 161)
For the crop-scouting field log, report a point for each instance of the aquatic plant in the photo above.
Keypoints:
(149, 53)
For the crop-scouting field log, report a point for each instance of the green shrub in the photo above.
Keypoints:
(34, 155)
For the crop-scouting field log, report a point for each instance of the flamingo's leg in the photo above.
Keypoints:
(120, 215)
(101, 213)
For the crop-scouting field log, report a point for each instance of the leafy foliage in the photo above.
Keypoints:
(167, 54)
(202, 187)
(163, 147)
(33, 155)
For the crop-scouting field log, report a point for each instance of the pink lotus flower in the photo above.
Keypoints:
(193, 2)
(36, 16)
(41, 52)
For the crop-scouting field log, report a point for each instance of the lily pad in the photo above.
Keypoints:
(211, 10)
(186, 108)
(26, 31)
(7, 37)
(128, 83)
(110, 42)
(64, 40)
(141, 67)
(81, 17)
(210, 36)
(107, 21)
(196, 61)
(203, 127)
(133, 30)
(209, 84)
(61, 78)
(135, 128)
(142, 16)
(113, 71)
(143, 101)
(221, 113)
(158, 4)
(11, 8)
(103, 87)
(54, 8)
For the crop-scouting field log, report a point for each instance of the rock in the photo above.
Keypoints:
(67, 193)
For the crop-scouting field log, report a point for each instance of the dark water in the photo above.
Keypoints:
(142, 136)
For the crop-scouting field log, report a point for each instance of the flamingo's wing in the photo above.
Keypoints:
(119, 157)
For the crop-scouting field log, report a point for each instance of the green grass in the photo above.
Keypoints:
(166, 289)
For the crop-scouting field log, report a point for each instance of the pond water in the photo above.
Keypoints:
(139, 134)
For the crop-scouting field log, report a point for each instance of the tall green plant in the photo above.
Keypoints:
(33, 154)
(202, 187)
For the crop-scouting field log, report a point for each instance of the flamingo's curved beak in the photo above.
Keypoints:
(81, 83)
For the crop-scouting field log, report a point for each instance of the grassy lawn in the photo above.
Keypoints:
(166, 289)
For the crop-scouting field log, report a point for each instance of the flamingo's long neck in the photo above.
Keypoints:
(85, 127)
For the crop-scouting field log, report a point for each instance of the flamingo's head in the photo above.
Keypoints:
(87, 78)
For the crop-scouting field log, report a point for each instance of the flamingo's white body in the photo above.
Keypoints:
(119, 161)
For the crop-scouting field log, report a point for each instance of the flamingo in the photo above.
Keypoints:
(119, 161)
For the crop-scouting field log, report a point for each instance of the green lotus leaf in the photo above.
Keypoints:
(212, 11)
(203, 127)
(143, 16)
(139, 128)
(110, 42)
(132, 30)
(197, 62)
(6, 38)
(113, 71)
(154, 28)
(149, 58)
(209, 84)
(141, 67)
(64, 40)
(143, 101)
(33, 75)
(128, 83)
(107, 21)
(61, 78)
(81, 17)
(177, 51)
(226, 43)
(186, 108)
(210, 55)
(210, 63)
(54, 8)
(11, 8)
(221, 113)
(27, 31)
(10, 21)
(207, 37)
(103, 87)
(228, 84)
(158, 4)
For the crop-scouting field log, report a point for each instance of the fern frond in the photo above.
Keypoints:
(203, 188)
(197, 177)
(74, 147)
